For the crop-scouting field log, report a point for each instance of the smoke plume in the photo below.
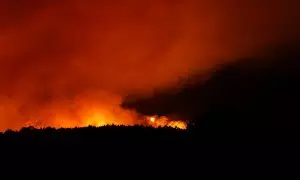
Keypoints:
(63, 59)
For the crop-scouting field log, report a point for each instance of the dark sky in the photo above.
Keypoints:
(62, 55)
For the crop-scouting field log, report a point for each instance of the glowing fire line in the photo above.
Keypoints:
(163, 121)
(98, 121)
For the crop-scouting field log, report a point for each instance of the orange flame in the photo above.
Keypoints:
(101, 118)
(163, 121)
(95, 109)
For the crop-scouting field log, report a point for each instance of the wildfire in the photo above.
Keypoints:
(152, 119)
(99, 120)
(163, 121)
(84, 111)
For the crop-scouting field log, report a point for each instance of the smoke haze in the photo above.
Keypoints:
(64, 58)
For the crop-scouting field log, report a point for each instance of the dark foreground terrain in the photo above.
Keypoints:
(92, 136)
(99, 136)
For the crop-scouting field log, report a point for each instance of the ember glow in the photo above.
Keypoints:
(163, 121)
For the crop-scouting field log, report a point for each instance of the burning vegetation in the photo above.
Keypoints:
(99, 120)
(156, 121)
(87, 109)
(101, 116)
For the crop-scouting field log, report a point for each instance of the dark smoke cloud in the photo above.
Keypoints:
(55, 51)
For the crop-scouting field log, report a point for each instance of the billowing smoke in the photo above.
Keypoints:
(61, 59)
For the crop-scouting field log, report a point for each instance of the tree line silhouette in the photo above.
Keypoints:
(92, 136)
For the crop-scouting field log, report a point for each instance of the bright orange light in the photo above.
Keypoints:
(166, 122)
(177, 124)
(96, 120)
(102, 118)
(152, 119)
(88, 111)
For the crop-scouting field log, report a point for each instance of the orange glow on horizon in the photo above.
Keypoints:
(94, 114)
(98, 120)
